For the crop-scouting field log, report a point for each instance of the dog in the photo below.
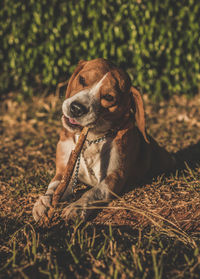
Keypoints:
(117, 152)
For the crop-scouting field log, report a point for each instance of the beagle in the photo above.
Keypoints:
(117, 151)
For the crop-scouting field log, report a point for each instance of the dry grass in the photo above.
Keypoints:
(150, 232)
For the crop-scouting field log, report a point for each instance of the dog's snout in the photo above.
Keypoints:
(77, 109)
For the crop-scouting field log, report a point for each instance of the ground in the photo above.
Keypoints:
(150, 232)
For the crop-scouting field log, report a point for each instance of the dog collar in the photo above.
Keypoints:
(108, 134)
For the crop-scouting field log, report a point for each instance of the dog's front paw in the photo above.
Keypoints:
(41, 206)
(74, 211)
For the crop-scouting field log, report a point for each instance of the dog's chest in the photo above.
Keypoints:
(90, 171)
(96, 160)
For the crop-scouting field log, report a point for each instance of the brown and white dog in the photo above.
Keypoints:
(117, 152)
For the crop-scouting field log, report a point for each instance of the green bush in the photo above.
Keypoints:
(157, 42)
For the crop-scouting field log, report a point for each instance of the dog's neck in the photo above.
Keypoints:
(125, 121)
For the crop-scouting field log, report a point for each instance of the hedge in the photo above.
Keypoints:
(157, 42)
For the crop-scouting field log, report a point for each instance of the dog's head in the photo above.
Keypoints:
(99, 95)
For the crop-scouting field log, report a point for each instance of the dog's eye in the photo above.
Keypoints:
(82, 81)
(108, 97)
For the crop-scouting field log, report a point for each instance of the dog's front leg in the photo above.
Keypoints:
(83, 207)
(44, 201)
(64, 147)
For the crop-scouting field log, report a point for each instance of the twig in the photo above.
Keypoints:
(66, 176)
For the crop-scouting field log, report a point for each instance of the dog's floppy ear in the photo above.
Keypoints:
(139, 111)
(79, 67)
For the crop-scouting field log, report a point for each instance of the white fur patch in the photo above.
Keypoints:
(53, 185)
(65, 148)
(95, 88)
(93, 168)
(76, 138)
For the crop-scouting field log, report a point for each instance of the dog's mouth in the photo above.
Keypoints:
(74, 125)
(71, 122)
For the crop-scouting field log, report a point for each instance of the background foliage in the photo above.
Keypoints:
(156, 41)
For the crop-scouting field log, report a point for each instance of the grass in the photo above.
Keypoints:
(150, 232)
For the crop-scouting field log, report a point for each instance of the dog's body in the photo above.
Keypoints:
(117, 152)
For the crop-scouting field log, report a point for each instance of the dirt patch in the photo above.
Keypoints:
(162, 204)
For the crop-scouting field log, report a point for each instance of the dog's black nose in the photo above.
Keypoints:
(77, 109)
